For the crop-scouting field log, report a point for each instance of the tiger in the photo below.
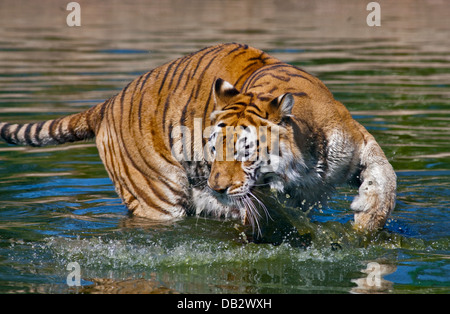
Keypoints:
(318, 145)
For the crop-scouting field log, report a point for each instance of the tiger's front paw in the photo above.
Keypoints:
(376, 199)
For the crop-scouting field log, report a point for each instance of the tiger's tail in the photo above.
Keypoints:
(72, 128)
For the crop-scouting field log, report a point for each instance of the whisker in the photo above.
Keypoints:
(199, 177)
(261, 184)
(266, 211)
(199, 183)
(249, 212)
(254, 215)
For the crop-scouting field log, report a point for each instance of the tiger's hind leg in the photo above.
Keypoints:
(151, 190)
(377, 192)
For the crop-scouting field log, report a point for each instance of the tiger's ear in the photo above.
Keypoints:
(281, 107)
(223, 92)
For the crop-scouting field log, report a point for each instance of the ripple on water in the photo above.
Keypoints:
(223, 263)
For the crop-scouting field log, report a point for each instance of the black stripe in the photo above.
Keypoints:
(214, 49)
(37, 134)
(131, 106)
(227, 115)
(112, 172)
(122, 96)
(249, 68)
(180, 77)
(252, 105)
(81, 134)
(263, 98)
(16, 133)
(6, 134)
(147, 75)
(136, 84)
(279, 77)
(242, 76)
(262, 84)
(166, 107)
(62, 135)
(170, 135)
(51, 130)
(300, 69)
(251, 121)
(183, 121)
(237, 106)
(27, 135)
(165, 76)
(261, 72)
(11, 134)
(185, 107)
(140, 112)
(175, 71)
(290, 67)
(258, 57)
(203, 74)
(256, 114)
(122, 114)
(275, 88)
(299, 94)
(238, 47)
(118, 180)
(103, 108)
(208, 103)
(250, 65)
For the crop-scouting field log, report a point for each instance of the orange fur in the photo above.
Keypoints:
(134, 135)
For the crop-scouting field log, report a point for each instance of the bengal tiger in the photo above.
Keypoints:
(162, 174)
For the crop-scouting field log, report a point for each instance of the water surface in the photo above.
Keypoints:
(57, 204)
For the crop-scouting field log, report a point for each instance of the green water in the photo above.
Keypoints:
(57, 205)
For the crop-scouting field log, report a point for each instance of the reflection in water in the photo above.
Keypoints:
(374, 282)
(58, 206)
(127, 286)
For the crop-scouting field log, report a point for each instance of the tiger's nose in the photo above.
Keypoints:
(219, 188)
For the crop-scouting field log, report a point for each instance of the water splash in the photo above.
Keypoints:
(182, 258)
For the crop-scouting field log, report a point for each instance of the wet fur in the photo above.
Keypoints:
(322, 146)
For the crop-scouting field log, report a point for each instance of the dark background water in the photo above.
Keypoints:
(57, 204)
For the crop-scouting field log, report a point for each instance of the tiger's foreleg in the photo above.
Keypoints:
(377, 192)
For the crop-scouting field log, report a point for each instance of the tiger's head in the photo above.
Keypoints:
(249, 144)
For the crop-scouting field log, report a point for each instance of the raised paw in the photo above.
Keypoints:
(376, 198)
